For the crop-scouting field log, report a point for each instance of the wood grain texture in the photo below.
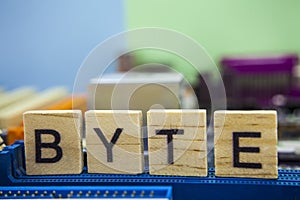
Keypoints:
(68, 123)
(237, 133)
(186, 153)
(124, 155)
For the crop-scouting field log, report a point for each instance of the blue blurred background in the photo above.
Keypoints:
(43, 43)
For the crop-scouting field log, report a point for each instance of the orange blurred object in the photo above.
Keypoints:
(76, 103)
(13, 134)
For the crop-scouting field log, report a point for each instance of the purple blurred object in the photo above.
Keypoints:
(269, 64)
(253, 81)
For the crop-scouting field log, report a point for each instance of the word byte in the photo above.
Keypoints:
(245, 142)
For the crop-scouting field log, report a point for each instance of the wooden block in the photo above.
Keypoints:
(17, 95)
(53, 142)
(12, 115)
(2, 144)
(114, 141)
(246, 144)
(177, 142)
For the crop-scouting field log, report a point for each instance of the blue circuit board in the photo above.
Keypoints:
(14, 183)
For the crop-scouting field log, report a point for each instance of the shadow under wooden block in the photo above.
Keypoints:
(246, 144)
(53, 142)
(114, 141)
(177, 142)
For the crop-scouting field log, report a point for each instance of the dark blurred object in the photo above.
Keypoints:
(125, 62)
(153, 68)
(289, 160)
(289, 153)
(252, 82)
(202, 92)
(289, 130)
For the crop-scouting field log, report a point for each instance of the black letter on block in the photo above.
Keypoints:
(237, 149)
(170, 133)
(54, 145)
(110, 145)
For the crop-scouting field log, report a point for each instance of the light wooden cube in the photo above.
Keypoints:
(53, 142)
(177, 142)
(2, 144)
(11, 115)
(114, 141)
(246, 144)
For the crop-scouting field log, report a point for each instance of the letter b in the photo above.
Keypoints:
(53, 145)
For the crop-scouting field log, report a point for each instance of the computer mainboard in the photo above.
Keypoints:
(14, 183)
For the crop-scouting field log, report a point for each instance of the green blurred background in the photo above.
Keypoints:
(222, 27)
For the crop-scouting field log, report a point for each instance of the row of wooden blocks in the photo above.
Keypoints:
(245, 142)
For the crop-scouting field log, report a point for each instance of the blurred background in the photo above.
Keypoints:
(255, 45)
(52, 38)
